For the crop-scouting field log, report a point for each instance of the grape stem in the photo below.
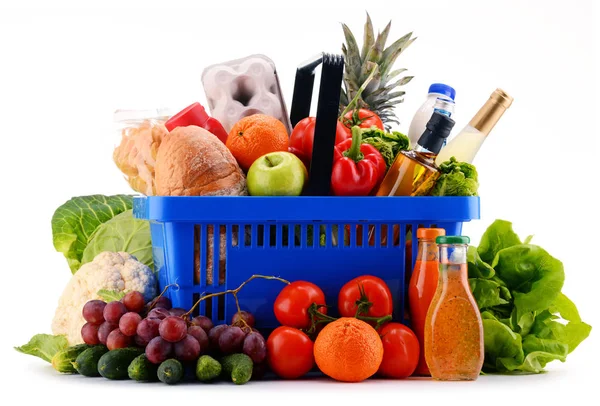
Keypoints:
(234, 292)
(155, 300)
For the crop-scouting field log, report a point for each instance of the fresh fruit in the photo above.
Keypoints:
(289, 352)
(214, 334)
(158, 313)
(177, 311)
(93, 311)
(128, 324)
(114, 364)
(89, 333)
(365, 295)
(141, 369)
(86, 363)
(116, 339)
(200, 335)
(400, 351)
(134, 301)
(231, 340)
(188, 349)
(163, 303)
(362, 118)
(277, 174)
(113, 311)
(204, 322)
(382, 94)
(348, 350)
(303, 136)
(148, 329)
(158, 350)
(207, 368)
(170, 371)
(63, 360)
(292, 303)
(248, 317)
(254, 136)
(104, 330)
(172, 329)
(255, 347)
(238, 367)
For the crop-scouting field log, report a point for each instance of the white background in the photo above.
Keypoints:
(64, 69)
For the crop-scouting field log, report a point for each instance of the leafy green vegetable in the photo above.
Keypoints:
(110, 295)
(74, 223)
(121, 233)
(456, 179)
(517, 287)
(44, 346)
(388, 144)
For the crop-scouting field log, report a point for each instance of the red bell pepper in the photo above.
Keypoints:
(357, 168)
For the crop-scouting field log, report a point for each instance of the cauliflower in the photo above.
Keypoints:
(118, 271)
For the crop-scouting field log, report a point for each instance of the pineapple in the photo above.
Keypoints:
(381, 94)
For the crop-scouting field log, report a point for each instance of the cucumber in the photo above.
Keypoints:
(86, 363)
(207, 368)
(114, 364)
(141, 369)
(170, 371)
(238, 367)
(63, 360)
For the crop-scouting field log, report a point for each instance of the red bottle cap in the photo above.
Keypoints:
(193, 114)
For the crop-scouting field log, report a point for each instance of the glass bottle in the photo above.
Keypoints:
(414, 172)
(453, 328)
(466, 144)
(422, 286)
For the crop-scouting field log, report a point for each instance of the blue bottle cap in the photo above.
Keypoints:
(441, 88)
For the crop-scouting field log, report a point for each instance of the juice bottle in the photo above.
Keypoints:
(453, 329)
(422, 286)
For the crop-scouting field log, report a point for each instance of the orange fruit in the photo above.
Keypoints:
(254, 136)
(348, 350)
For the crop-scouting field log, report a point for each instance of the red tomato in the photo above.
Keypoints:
(369, 289)
(400, 351)
(363, 118)
(290, 352)
(292, 303)
(303, 135)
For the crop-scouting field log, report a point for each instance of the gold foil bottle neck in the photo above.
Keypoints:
(487, 117)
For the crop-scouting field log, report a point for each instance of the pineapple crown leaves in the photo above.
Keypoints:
(381, 94)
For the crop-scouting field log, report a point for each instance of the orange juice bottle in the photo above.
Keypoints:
(422, 286)
(453, 329)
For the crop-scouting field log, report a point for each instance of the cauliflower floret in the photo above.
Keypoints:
(118, 271)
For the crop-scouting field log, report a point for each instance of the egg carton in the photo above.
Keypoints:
(242, 87)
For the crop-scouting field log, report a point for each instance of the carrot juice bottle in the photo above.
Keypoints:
(453, 329)
(422, 286)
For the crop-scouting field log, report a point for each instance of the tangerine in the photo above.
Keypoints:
(254, 136)
(348, 350)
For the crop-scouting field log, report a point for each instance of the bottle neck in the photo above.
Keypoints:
(453, 262)
(487, 116)
(428, 251)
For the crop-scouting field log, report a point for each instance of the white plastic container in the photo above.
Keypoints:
(422, 116)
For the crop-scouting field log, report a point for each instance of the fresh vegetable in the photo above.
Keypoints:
(292, 303)
(141, 369)
(109, 270)
(303, 135)
(388, 144)
(207, 368)
(348, 350)
(289, 352)
(114, 364)
(44, 346)
(63, 360)
(400, 351)
(527, 321)
(170, 371)
(365, 295)
(237, 367)
(456, 179)
(362, 118)
(357, 169)
(86, 363)
(382, 94)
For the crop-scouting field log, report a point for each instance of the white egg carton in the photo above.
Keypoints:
(242, 87)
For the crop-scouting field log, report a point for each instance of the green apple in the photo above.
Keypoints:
(277, 174)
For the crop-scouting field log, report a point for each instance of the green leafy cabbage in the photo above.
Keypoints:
(44, 346)
(527, 321)
(456, 179)
(388, 144)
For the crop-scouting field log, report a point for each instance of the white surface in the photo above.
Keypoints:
(64, 69)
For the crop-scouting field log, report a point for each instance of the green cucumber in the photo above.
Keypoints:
(63, 360)
(86, 363)
(114, 364)
(170, 371)
(238, 367)
(141, 369)
(207, 368)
